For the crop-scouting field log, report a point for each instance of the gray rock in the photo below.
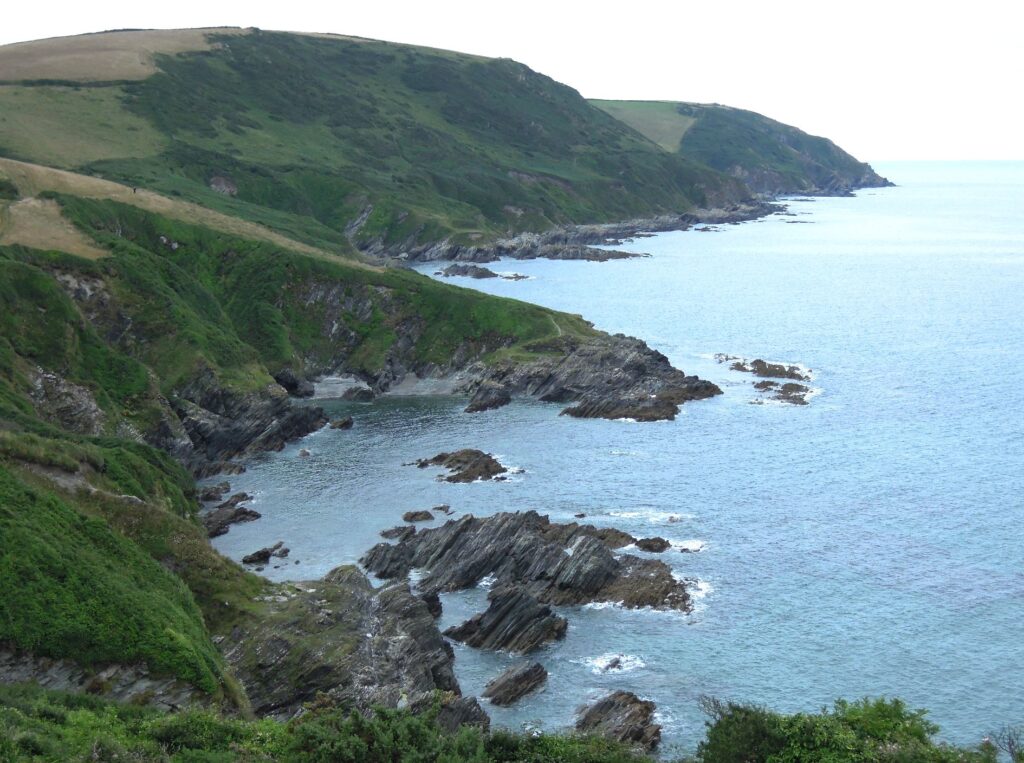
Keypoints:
(210, 493)
(417, 516)
(294, 384)
(400, 533)
(345, 423)
(561, 564)
(467, 465)
(488, 396)
(219, 520)
(622, 717)
(514, 621)
(263, 555)
(656, 545)
(514, 683)
(471, 271)
(358, 394)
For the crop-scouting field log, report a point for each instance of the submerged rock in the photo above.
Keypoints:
(345, 423)
(623, 717)
(467, 465)
(514, 683)
(561, 564)
(487, 397)
(514, 621)
(656, 545)
(790, 392)
(763, 368)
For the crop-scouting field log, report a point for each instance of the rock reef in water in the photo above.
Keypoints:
(558, 564)
(623, 717)
(514, 621)
(467, 465)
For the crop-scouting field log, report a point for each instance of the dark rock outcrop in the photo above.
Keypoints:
(488, 396)
(222, 423)
(417, 516)
(471, 271)
(358, 394)
(467, 465)
(560, 564)
(611, 377)
(400, 533)
(341, 637)
(623, 717)
(345, 423)
(210, 493)
(433, 602)
(219, 520)
(264, 554)
(656, 545)
(514, 621)
(462, 711)
(763, 368)
(790, 392)
(514, 683)
(294, 384)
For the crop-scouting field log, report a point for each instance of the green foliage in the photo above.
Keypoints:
(866, 731)
(313, 132)
(74, 588)
(8, 190)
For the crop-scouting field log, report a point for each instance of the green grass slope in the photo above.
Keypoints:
(323, 137)
(769, 156)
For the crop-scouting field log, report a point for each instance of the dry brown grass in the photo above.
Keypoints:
(38, 223)
(32, 179)
(102, 57)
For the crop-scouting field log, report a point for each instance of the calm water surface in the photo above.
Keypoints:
(867, 544)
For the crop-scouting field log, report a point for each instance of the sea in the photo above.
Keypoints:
(867, 544)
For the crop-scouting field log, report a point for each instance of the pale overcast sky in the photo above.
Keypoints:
(885, 80)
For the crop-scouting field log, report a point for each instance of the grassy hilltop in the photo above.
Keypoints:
(770, 157)
(328, 137)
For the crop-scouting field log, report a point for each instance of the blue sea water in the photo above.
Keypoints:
(867, 544)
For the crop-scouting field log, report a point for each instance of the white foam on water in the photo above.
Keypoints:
(487, 581)
(612, 662)
(693, 545)
(653, 515)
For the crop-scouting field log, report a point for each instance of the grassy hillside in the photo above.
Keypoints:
(769, 156)
(321, 137)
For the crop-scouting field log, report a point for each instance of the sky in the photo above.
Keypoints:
(885, 80)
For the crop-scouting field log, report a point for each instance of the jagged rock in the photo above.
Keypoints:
(210, 493)
(295, 385)
(443, 508)
(263, 555)
(516, 682)
(234, 500)
(467, 465)
(790, 392)
(345, 423)
(605, 376)
(561, 564)
(223, 423)
(463, 711)
(304, 453)
(358, 394)
(400, 533)
(417, 516)
(339, 636)
(656, 545)
(580, 515)
(69, 405)
(209, 468)
(763, 368)
(487, 397)
(219, 521)
(433, 602)
(622, 717)
(513, 620)
(472, 271)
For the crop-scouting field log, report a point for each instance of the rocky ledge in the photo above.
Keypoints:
(611, 377)
(341, 637)
(763, 368)
(557, 564)
(514, 683)
(623, 717)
